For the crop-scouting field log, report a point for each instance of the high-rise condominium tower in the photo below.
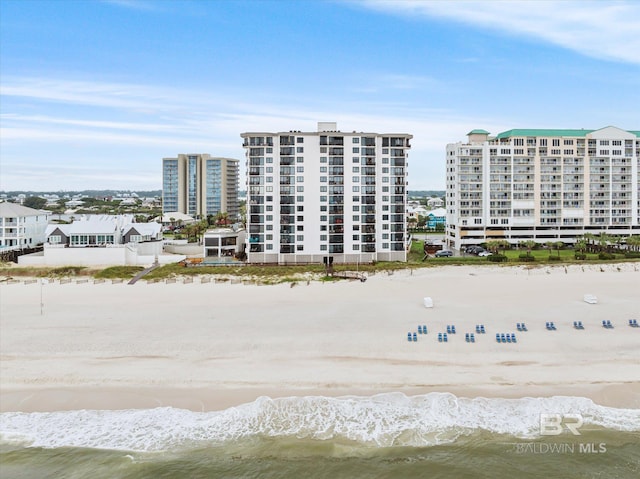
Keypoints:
(199, 185)
(542, 185)
(326, 195)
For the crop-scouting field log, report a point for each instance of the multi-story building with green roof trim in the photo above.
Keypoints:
(542, 185)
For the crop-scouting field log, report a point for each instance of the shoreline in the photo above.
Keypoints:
(206, 345)
(614, 395)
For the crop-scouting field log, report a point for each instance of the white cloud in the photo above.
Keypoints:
(607, 30)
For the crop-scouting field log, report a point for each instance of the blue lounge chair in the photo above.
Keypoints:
(444, 337)
(424, 329)
(482, 329)
(466, 337)
(478, 327)
(448, 328)
(473, 338)
(553, 326)
(440, 337)
(547, 325)
(453, 329)
(513, 338)
(524, 327)
(518, 327)
(409, 336)
(633, 323)
(420, 329)
(609, 325)
(508, 338)
(580, 325)
(503, 338)
(497, 337)
(575, 325)
(415, 337)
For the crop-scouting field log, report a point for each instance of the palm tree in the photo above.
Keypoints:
(529, 244)
(590, 239)
(634, 242)
(603, 241)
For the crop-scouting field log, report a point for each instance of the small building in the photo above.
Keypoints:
(435, 202)
(224, 243)
(436, 217)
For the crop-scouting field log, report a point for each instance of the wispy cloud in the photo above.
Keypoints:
(606, 30)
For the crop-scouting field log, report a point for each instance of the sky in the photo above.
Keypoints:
(94, 93)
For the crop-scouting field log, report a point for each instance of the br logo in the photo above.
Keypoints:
(554, 424)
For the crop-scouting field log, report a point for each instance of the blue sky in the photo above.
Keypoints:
(95, 93)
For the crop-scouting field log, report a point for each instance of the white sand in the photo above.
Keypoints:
(207, 346)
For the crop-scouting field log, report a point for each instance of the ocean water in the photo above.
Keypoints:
(383, 436)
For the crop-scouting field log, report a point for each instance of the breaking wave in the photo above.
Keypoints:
(383, 420)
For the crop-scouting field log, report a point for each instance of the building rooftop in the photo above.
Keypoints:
(10, 210)
(550, 132)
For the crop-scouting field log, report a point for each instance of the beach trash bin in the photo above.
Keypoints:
(428, 302)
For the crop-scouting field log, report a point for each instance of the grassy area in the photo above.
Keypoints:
(271, 274)
(119, 272)
(44, 272)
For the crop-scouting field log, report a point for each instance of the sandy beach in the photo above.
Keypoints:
(208, 346)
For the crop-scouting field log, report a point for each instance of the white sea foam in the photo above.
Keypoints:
(391, 419)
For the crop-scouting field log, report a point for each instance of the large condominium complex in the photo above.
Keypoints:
(542, 185)
(326, 196)
(199, 185)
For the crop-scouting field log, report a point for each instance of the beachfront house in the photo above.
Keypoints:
(21, 227)
(223, 243)
(102, 240)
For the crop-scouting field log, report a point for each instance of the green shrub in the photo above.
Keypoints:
(554, 258)
(526, 257)
(632, 254)
(581, 256)
(606, 256)
(497, 258)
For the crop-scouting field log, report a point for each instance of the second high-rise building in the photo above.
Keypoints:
(326, 196)
(200, 185)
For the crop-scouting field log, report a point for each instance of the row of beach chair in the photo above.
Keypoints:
(505, 338)
(578, 325)
(633, 323)
(480, 329)
(521, 327)
(470, 337)
(550, 325)
(442, 337)
(451, 329)
(607, 324)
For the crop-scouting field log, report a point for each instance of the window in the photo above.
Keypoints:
(300, 208)
(323, 179)
(300, 179)
(299, 218)
(323, 189)
(55, 239)
(323, 159)
(299, 237)
(323, 218)
(356, 159)
(299, 247)
(300, 149)
(300, 169)
(555, 142)
(356, 149)
(356, 169)
(323, 237)
(323, 207)
(355, 189)
(323, 247)
(355, 208)
(300, 139)
(356, 217)
(300, 198)
(356, 237)
(355, 179)
(299, 159)
(269, 207)
(300, 228)
(269, 169)
(355, 140)
(269, 159)
(269, 217)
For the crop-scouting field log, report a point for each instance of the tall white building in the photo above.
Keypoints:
(542, 185)
(200, 185)
(326, 195)
(21, 227)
